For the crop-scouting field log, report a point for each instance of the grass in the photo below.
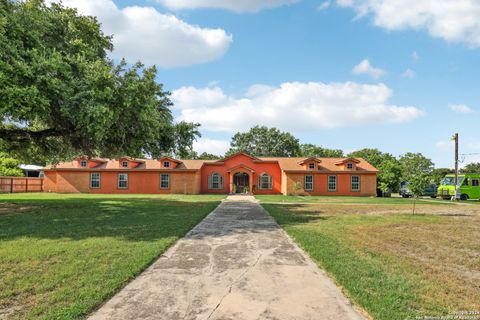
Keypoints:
(61, 256)
(393, 264)
(343, 200)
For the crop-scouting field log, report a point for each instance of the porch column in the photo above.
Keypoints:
(250, 176)
(230, 184)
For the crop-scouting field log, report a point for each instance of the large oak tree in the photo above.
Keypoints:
(61, 95)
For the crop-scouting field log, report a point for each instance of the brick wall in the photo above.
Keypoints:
(368, 183)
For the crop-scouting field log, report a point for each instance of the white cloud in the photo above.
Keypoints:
(233, 5)
(364, 67)
(460, 108)
(293, 106)
(409, 73)
(444, 145)
(324, 5)
(143, 33)
(451, 20)
(213, 146)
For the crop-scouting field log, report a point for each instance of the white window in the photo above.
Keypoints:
(83, 163)
(308, 186)
(332, 183)
(349, 165)
(166, 164)
(355, 183)
(124, 164)
(123, 180)
(95, 180)
(265, 182)
(311, 166)
(215, 181)
(164, 181)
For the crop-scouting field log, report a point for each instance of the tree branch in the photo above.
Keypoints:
(23, 135)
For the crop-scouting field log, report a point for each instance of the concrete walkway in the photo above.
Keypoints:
(236, 264)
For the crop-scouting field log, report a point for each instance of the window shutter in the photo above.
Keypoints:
(220, 182)
(270, 182)
(210, 182)
(259, 182)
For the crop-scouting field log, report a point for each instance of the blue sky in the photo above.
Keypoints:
(401, 76)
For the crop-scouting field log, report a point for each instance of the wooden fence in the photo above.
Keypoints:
(20, 184)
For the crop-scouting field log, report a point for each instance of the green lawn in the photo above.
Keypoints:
(392, 264)
(343, 199)
(62, 255)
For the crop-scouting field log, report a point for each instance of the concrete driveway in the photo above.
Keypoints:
(236, 264)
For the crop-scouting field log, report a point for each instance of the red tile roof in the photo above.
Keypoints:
(286, 164)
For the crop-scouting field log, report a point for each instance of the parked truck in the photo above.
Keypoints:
(430, 190)
(469, 185)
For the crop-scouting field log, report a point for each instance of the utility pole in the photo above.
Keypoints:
(457, 187)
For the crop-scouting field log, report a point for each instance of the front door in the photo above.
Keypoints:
(241, 182)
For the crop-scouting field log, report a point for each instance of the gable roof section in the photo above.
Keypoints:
(317, 160)
(241, 166)
(237, 154)
(355, 160)
(169, 159)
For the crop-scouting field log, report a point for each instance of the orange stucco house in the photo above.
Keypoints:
(238, 173)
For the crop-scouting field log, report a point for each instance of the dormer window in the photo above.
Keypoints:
(311, 166)
(83, 163)
(166, 164)
(124, 164)
(349, 165)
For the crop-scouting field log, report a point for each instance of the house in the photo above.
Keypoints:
(239, 173)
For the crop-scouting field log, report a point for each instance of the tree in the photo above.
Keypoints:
(414, 164)
(203, 156)
(439, 173)
(390, 174)
(62, 96)
(417, 184)
(417, 170)
(9, 166)
(208, 156)
(185, 135)
(473, 167)
(265, 142)
(311, 150)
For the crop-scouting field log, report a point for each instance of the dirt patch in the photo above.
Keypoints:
(380, 209)
(11, 208)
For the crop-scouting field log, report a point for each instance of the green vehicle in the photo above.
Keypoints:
(469, 186)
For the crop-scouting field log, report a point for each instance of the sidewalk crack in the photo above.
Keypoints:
(232, 284)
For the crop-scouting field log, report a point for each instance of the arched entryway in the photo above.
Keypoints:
(241, 182)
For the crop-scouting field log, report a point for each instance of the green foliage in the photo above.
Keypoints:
(62, 96)
(473, 167)
(415, 163)
(297, 186)
(439, 173)
(9, 166)
(390, 169)
(203, 156)
(417, 170)
(208, 156)
(265, 142)
(311, 150)
(185, 135)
